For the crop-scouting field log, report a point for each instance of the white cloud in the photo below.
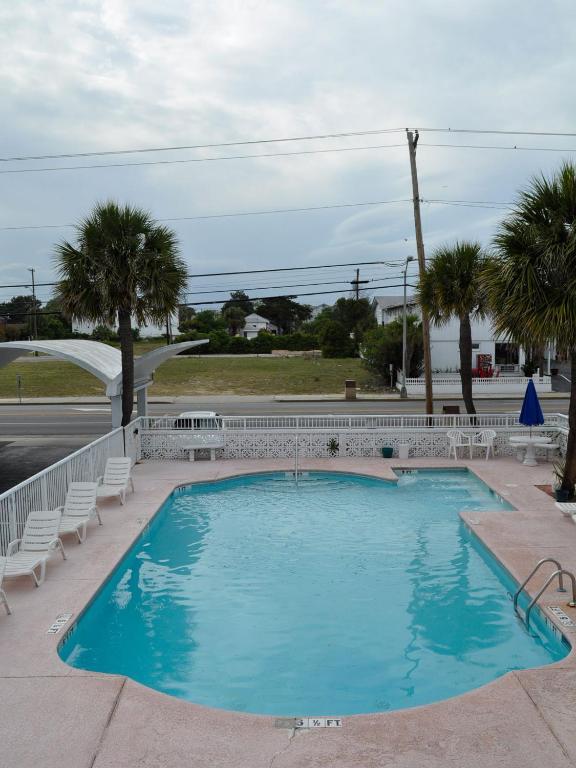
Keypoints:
(111, 74)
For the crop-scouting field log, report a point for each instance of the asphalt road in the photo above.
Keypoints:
(90, 421)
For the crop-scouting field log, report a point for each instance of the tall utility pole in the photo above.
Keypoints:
(34, 318)
(357, 283)
(412, 142)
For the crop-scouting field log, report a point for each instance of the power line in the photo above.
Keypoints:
(251, 142)
(285, 296)
(104, 153)
(273, 211)
(495, 131)
(294, 285)
(249, 271)
(198, 159)
(499, 146)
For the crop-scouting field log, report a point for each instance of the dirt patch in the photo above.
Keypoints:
(547, 489)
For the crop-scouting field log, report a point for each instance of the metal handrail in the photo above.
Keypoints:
(559, 573)
(559, 570)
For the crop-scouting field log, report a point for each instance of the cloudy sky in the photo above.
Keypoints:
(105, 75)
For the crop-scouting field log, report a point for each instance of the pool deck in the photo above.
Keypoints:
(54, 715)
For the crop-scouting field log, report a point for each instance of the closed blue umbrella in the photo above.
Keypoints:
(531, 414)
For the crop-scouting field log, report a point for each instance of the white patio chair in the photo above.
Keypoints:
(484, 439)
(39, 540)
(457, 440)
(116, 478)
(79, 508)
(3, 598)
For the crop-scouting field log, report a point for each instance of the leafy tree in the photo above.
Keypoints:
(263, 344)
(241, 300)
(335, 341)
(284, 312)
(531, 282)
(356, 315)
(382, 347)
(234, 319)
(315, 326)
(123, 264)
(19, 311)
(238, 345)
(185, 318)
(207, 321)
(104, 333)
(452, 287)
(51, 323)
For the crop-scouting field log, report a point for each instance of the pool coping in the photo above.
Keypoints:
(126, 724)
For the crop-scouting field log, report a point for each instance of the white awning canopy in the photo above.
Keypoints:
(101, 360)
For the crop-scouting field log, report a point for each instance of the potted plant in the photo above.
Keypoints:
(333, 446)
(559, 492)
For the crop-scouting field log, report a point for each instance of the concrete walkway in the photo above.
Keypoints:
(57, 716)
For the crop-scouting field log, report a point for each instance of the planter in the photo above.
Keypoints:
(561, 495)
(387, 451)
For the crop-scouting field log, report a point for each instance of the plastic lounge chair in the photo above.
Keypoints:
(116, 478)
(568, 508)
(3, 598)
(39, 540)
(457, 440)
(79, 508)
(484, 439)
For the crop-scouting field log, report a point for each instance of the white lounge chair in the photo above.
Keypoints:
(457, 440)
(79, 508)
(39, 540)
(484, 439)
(568, 508)
(3, 598)
(116, 478)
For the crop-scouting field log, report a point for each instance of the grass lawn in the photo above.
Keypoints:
(194, 376)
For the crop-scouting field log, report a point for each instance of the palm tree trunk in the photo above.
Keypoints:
(570, 461)
(127, 350)
(466, 362)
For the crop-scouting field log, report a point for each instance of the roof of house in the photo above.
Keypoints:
(254, 318)
(390, 302)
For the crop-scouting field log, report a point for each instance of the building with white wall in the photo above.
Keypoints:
(444, 340)
(254, 323)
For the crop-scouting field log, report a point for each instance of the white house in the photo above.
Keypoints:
(444, 340)
(254, 323)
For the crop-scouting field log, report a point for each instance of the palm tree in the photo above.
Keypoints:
(123, 266)
(451, 287)
(531, 284)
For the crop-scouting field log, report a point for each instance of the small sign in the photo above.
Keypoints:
(562, 617)
(318, 722)
(61, 620)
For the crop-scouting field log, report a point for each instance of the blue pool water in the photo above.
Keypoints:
(341, 595)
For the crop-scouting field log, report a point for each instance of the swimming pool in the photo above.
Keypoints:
(341, 594)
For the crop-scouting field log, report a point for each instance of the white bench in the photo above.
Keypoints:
(548, 447)
(201, 441)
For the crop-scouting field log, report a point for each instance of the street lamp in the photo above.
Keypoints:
(403, 393)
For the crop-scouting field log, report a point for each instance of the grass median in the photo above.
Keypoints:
(188, 375)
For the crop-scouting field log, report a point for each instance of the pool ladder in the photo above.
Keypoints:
(559, 572)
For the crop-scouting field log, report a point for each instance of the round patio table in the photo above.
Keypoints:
(531, 444)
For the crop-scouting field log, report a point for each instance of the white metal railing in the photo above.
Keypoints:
(47, 489)
(344, 422)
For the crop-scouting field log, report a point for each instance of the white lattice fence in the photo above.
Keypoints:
(278, 444)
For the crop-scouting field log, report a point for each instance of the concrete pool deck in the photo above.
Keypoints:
(54, 715)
